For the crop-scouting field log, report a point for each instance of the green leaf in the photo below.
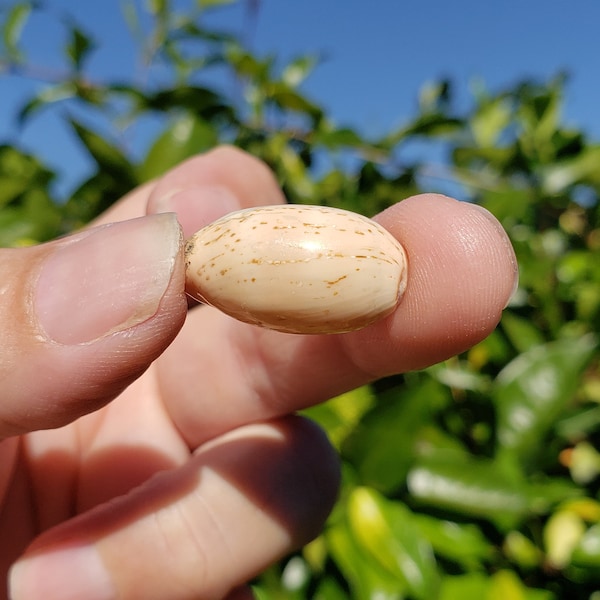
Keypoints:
(490, 120)
(329, 589)
(158, 7)
(20, 165)
(298, 70)
(288, 99)
(93, 197)
(20, 173)
(386, 530)
(459, 375)
(183, 137)
(584, 463)
(293, 172)
(506, 585)
(110, 160)
(546, 493)
(132, 17)
(14, 228)
(200, 101)
(522, 333)
(367, 579)
(435, 124)
(472, 586)
(520, 550)
(587, 552)
(539, 113)
(383, 446)
(563, 532)
(213, 3)
(464, 544)
(531, 392)
(35, 219)
(558, 176)
(79, 47)
(340, 415)
(503, 585)
(476, 489)
(247, 65)
(334, 139)
(46, 96)
(10, 189)
(434, 96)
(579, 424)
(13, 26)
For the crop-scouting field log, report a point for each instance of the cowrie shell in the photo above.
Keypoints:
(297, 268)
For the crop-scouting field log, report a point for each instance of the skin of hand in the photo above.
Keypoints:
(150, 451)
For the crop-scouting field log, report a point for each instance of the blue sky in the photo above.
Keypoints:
(377, 55)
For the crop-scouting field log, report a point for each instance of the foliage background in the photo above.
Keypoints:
(474, 479)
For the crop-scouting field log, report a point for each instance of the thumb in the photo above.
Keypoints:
(83, 316)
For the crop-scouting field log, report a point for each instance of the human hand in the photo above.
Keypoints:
(148, 451)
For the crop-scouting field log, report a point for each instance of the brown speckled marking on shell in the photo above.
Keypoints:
(297, 268)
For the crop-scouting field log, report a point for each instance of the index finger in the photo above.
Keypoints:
(219, 373)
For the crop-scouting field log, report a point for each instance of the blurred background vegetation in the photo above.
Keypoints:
(474, 479)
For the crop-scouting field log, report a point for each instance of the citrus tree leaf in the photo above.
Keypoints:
(183, 137)
(464, 544)
(530, 393)
(79, 47)
(298, 70)
(386, 531)
(12, 28)
(476, 489)
(45, 97)
(587, 552)
(522, 334)
(484, 489)
(201, 101)
(506, 585)
(213, 3)
(111, 160)
(341, 415)
(472, 586)
(383, 446)
(366, 578)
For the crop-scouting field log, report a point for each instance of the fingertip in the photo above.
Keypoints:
(196, 207)
(504, 247)
(462, 271)
(208, 186)
(320, 466)
(295, 471)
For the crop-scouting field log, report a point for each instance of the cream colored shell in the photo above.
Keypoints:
(296, 268)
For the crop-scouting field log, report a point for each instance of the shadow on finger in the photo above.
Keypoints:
(242, 501)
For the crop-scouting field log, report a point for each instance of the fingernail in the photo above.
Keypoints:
(107, 279)
(197, 207)
(67, 574)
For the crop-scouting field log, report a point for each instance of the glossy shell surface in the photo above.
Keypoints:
(297, 268)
